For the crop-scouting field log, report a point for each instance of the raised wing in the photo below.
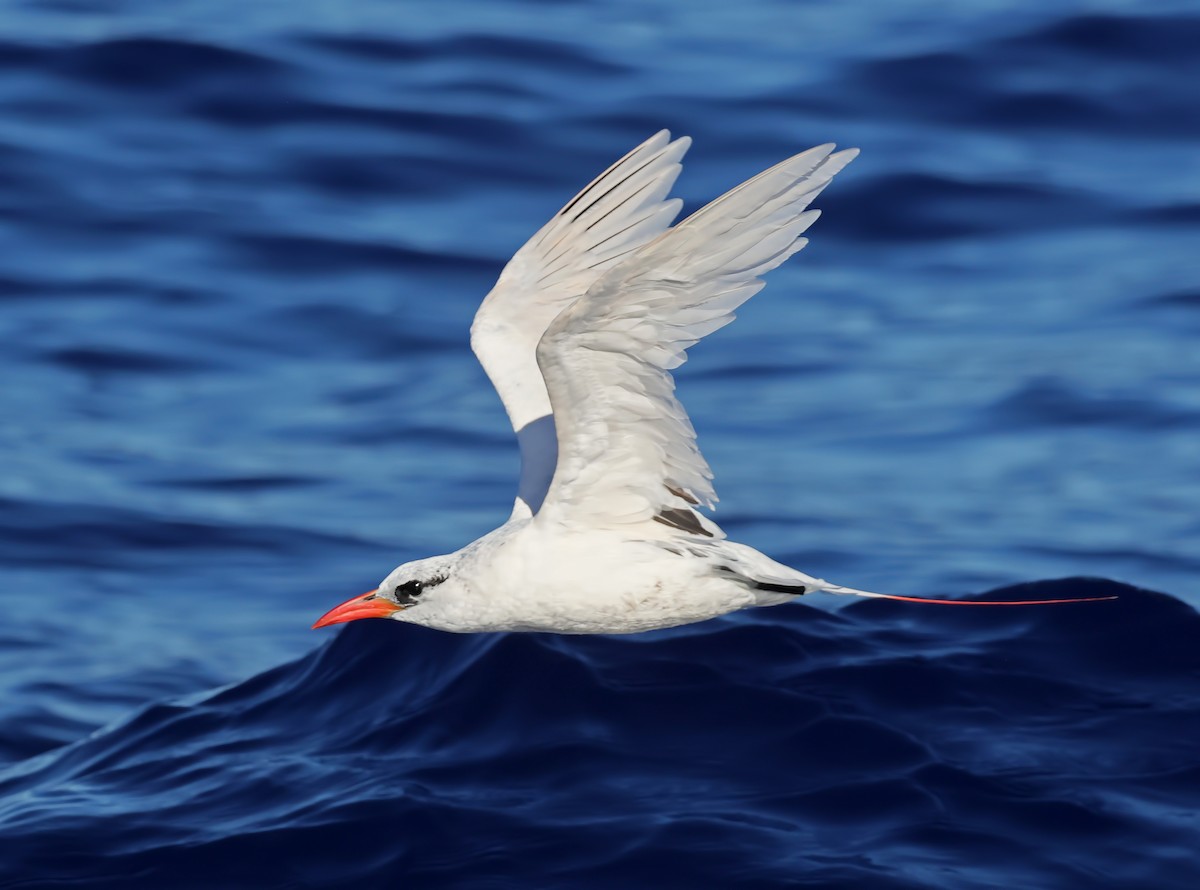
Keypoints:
(627, 451)
(620, 211)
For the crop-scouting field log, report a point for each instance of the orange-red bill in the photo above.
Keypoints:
(366, 605)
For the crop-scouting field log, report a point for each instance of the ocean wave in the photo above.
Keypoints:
(239, 254)
(797, 735)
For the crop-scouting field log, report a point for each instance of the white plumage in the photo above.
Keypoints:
(627, 448)
(621, 210)
(579, 337)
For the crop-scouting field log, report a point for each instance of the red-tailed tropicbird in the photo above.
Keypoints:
(579, 337)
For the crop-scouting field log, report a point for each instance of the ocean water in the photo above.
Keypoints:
(240, 248)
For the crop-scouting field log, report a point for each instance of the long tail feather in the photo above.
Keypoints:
(833, 588)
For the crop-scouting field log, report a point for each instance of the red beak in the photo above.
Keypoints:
(367, 605)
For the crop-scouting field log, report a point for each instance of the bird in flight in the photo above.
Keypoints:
(579, 336)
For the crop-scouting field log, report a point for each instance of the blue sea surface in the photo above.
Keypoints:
(241, 245)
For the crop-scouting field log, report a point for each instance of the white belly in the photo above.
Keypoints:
(584, 584)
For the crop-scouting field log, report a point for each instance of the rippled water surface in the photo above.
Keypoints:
(240, 248)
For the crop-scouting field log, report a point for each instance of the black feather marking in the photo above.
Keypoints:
(683, 495)
(796, 589)
(682, 519)
(612, 187)
(734, 574)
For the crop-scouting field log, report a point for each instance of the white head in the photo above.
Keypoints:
(401, 595)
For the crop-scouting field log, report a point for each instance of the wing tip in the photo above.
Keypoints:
(662, 139)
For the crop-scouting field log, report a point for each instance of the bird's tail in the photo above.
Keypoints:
(850, 591)
(778, 583)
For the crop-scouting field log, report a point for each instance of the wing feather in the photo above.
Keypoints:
(618, 212)
(627, 451)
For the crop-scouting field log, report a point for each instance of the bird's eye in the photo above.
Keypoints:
(408, 592)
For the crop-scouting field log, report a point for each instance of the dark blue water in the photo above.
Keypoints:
(240, 248)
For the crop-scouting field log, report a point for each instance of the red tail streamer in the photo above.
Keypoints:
(918, 599)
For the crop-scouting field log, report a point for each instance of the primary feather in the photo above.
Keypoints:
(627, 450)
(619, 211)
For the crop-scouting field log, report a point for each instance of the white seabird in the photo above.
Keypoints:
(579, 337)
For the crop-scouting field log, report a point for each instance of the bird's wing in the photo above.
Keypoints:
(621, 210)
(627, 451)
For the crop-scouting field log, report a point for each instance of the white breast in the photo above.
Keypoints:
(584, 583)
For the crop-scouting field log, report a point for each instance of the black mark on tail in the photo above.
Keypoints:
(796, 589)
(755, 584)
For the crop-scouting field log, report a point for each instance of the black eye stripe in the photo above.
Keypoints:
(409, 591)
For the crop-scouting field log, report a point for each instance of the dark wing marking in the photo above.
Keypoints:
(683, 495)
(684, 520)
